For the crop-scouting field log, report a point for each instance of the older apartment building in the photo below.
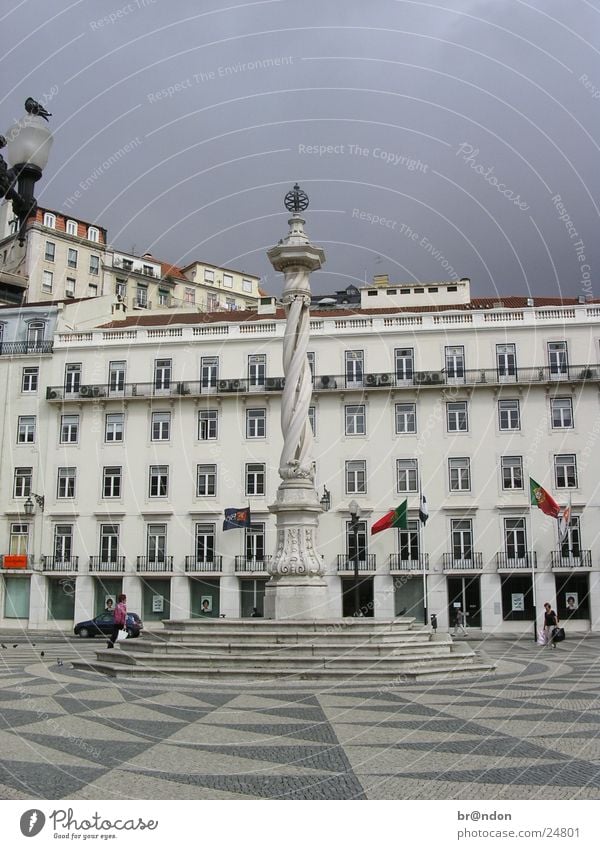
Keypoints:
(123, 446)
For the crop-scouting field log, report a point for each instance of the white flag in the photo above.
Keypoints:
(423, 510)
(564, 521)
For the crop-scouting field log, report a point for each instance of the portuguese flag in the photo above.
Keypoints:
(394, 519)
(543, 499)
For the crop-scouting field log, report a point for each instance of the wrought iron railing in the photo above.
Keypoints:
(472, 561)
(101, 564)
(366, 563)
(60, 564)
(250, 564)
(514, 561)
(150, 564)
(583, 558)
(196, 564)
(8, 349)
(399, 563)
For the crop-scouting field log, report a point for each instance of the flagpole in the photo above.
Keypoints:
(421, 534)
(533, 590)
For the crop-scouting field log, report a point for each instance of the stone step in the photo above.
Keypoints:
(273, 640)
(219, 649)
(315, 626)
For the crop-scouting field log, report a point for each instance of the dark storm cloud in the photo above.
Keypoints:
(435, 139)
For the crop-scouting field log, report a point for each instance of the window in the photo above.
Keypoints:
(462, 539)
(116, 376)
(571, 547)
(209, 275)
(558, 359)
(72, 258)
(512, 472)
(121, 288)
(561, 410)
(35, 335)
(206, 477)
(356, 424)
(312, 418)
(70, 287)
(406, 418)
(455, 362)
(156, 543)
(404, 362)
(29, 381)
(49, 220)
(19, 538)
(63, 543)
(356, 477)
(141, 297)
(65, 483)
(158, 482)
(408, 541)
(459, 471)
(212, 303)
(230, 303)
(71, 227)
(94, 264)
(113, 428)
(50, 251)
(310, 356)
(111, 482)
(47, 281)
(26, 429)
(354, 367)
(257, 367)
(356, 543)
(109, 543)
(205, 543)
(92, 290)
(255, 478)
(515, 539)
(127, 264)
(509, 415)
(209, 373)
(256, 423)
(148, 270)
(456, 415)
(93, 234)
(407, 478)
(254, 542)
(228, 281)
(69, 428)
(189, 296)
(246, 285)
(565, 471)
(163, 297)
(208, 424)
(162, 374)
(161, 427)
(22, 485)
(506, 361)
(72, 377)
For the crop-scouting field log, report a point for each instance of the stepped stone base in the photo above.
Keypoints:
(337, 650)
(294, 598)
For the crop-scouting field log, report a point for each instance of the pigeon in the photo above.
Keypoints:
(15, 645)
(3, 646)
(59, 662)
(42, 654)
(35, 108)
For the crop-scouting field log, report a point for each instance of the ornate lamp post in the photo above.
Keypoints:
(27, 142)
(297, 589)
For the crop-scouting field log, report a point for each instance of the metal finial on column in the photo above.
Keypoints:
(296, 200)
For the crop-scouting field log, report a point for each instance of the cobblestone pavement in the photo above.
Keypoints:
(530, 731)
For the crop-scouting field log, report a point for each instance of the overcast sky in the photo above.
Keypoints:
(435, 140)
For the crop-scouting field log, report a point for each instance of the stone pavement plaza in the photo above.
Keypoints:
(72, 735)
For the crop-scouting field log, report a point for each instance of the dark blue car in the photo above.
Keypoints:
(103, 625)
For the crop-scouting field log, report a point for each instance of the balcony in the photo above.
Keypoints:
(59, 564)
(194, 564)
(153, 564)
(250, 564)
(12, 349)
(514, 563)
(366, 563)
(398, 563)
(100, 564)
(581, 560)
(474, 563)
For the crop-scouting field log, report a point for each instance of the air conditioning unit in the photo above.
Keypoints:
(86, 391)
(274, 383)
(436, 377)
(384, 379)
(326, 382)
(429, 377)
(233, 385)
(98, 392)
(51, 394)
(182, 389)
(223, 385)
(371, 379)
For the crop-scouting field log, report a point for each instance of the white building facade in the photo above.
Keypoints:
(140, 433)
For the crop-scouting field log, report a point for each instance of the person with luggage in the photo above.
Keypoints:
(550, 623)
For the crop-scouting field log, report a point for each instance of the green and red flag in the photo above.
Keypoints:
(394, 519)
(543, 499)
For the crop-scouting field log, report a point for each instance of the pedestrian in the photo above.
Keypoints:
(120, 619)
(459, 622)
(550, 623)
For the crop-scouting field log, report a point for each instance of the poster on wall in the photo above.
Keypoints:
(518, 601)
(158, 604)
(206, 604)
(109, 602)
(571, 601)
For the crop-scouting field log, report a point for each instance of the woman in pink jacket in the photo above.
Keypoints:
(120, 619)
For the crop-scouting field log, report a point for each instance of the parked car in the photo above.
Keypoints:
(103, 625)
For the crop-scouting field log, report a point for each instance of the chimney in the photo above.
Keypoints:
(267, 306)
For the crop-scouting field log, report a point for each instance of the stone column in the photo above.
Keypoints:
(297, 589)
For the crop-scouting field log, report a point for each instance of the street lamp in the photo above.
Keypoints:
(28, 142)
(325, 500)
(28, 507)
(354, 524)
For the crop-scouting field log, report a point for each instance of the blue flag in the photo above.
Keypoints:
(236, 517)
